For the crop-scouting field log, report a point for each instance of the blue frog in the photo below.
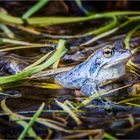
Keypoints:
(103, 66)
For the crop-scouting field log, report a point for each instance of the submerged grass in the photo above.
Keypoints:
(115, 23)
(31, 122)
(14, 117)
(71, 113)
(129, 35)
(25, 47)
(11, 41)
(7, 31)
(46, 21)
(60, 51)
(109, 136)
(45, 85)
(39, 61)
(34, 9)
(94, 96)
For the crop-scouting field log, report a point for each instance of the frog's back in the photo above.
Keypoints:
(75, 77)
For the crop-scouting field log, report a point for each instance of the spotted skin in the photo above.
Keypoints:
(104, 65)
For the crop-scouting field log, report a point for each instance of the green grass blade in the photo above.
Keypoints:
(46, 21)
(14, 117)
(130, 33)
(79, 4)
(107, 27)
(54, 126)
(51, 72)
(35, 8)
(31, 122)
(109, 136)
(43, 58)
(7, 31)
(68, 110)
(30, 132)
(11, 41)
(60, 51)
(25, 47)
(5, 18)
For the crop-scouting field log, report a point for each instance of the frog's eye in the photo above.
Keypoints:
(107, 52)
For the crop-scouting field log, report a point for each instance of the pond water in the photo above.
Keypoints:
(28, 46)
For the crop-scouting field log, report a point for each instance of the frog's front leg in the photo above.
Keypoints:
(89, 87)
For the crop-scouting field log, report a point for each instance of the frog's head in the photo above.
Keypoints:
(111, 61)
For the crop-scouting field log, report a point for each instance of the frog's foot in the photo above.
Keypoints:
(100, 101)
(89, 88)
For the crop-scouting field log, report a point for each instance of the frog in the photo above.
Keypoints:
(105, 65)
(12, 65)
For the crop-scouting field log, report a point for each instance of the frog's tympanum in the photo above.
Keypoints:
(105, 65)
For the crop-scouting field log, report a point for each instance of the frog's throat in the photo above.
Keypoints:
(106, 64)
